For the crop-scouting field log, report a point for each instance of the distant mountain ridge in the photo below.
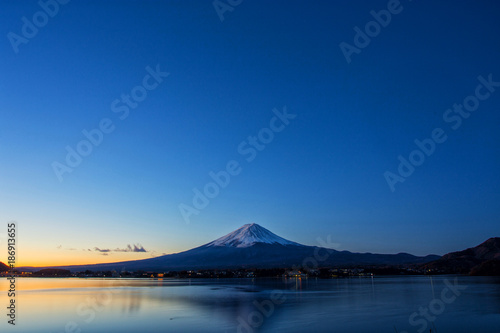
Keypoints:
(483, 259)
(252, 246)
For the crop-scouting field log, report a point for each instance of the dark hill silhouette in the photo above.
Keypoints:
(480, 260)
(3, 267)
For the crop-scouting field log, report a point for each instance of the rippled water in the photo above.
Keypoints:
(380, 304)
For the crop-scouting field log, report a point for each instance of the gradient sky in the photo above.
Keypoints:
(322, 175)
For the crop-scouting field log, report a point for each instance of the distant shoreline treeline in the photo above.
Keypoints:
(257, 272)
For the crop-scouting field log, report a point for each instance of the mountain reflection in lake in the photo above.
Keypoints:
(380, 304)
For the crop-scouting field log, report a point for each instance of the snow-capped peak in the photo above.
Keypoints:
(248, 235)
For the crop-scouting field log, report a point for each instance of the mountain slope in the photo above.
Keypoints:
(483, 259)
(253, 246)
(3, 267)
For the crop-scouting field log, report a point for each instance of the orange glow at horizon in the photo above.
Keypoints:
(34, 258)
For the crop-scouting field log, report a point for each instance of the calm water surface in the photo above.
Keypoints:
(380, 304)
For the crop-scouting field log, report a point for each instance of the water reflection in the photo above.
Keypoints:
(249, 305)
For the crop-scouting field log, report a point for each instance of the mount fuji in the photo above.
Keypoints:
(253, 246)
(248, 235)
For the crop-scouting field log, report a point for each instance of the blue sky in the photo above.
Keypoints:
(322, 175)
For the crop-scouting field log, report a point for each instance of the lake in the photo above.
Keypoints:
(358, 304)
